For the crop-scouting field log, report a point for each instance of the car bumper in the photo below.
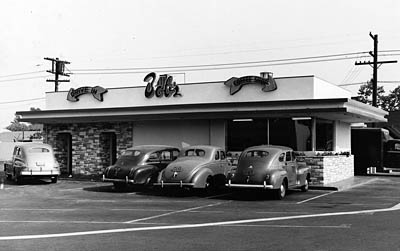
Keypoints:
(39, 173)
(126, 180)
(256, 186)
(174, 184)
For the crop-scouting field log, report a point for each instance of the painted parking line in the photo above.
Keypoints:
(290, 226)
(76, 222)
(316, 197)
(71, 189)
(199, 225)
(353, 186)
(175, 212)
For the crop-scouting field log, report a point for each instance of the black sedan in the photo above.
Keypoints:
(140, 165)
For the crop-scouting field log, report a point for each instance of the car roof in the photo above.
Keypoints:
(265, 147)
(33, 144)
(205, 147)
(147, 148)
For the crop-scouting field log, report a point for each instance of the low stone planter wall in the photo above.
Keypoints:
(328, 169)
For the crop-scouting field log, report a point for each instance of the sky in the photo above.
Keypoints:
(115, 43)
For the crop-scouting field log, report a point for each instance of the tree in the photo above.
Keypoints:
(365, 96)
(393, 100)
(389, 102)
(18, 126)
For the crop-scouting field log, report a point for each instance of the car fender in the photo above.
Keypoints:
(141, 174)
(277, 178)
(200, 177)
(303, 173)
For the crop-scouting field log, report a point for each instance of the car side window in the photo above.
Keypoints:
(282, 157)
(217, 155)
(154, 157)
(288, 156)
(175, 154)
(223, 155)
(166, 155)
(18, 152)
(293, 156)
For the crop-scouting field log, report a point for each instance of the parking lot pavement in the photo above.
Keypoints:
(347, 183)
(86, 215)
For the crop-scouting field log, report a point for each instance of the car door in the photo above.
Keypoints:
(215, 164)
(166, 157)
(17, 160)
(290, 166)
(225, 165)
(155, 159)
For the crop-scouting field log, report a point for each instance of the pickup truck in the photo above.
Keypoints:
(32, 160)
(271, 168)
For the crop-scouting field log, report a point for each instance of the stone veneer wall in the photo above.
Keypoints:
(87, 151)
(328, 169)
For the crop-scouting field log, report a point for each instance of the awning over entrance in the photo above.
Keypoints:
(343, 109)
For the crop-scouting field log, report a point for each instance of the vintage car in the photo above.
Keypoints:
(201, 166)
(140, 165)
(269, 167)
(32, 160)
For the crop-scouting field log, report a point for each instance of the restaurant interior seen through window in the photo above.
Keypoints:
(243, 133)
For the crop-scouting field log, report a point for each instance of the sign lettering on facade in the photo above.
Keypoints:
(236, 84)
(96, 91)
(165, 86)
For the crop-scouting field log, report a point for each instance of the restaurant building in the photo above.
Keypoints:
(90, 127)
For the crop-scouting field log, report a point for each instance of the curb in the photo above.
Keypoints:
(326, 188)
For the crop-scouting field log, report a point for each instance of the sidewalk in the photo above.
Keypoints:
(353, 182)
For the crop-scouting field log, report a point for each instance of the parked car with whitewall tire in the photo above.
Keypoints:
(32, 160)
(140, 165)
(269, 167)
(201, 166)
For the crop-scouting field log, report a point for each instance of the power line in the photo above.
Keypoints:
(379, 82)
(221, 64)
(20, 101)
(18, 79)
(19, 74)
(216, 68)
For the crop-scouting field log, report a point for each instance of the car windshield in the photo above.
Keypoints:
(257, 154)
(195, 152)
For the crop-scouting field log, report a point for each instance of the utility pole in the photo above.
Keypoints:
(375, 68)
(57, 68)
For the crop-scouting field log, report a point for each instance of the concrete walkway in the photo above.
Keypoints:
(353, 182)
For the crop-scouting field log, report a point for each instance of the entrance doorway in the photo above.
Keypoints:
(64, 152)
(108, 145)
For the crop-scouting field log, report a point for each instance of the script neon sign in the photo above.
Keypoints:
(164, 86)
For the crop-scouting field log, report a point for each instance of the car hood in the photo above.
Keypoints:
(183, 169)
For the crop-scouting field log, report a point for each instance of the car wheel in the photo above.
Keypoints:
(305, 187)
(209, 185)
(18, 180)
(281, 192)
(54, 179)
